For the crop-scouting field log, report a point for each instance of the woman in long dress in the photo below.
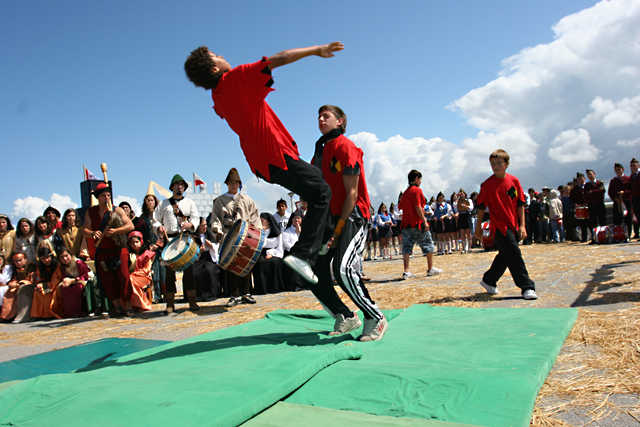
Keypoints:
(69, 234)
(146, 225)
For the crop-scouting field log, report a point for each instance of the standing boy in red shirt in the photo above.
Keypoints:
(503, 195)
(239, 97)
(342, 165)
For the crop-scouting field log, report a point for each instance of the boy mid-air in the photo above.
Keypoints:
(239, 98)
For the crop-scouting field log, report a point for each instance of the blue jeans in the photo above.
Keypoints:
(557, 232)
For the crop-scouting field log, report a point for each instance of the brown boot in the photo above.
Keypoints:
(191, 297)
(170, 298)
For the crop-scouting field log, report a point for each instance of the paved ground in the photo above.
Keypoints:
(597, 278)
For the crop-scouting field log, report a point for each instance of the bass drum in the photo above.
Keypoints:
(241, 248)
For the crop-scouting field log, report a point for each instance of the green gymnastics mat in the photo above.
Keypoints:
(284, 414)
(471, 366)
(72, 358)
(463, 365)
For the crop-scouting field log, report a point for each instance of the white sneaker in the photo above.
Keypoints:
(375, 258)
(491, 290)
(345, 325)
(373, 329)
(301, 267)
(530, 294)
(408, 275)
(434, 271)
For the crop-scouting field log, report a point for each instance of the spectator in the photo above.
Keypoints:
(7, 236)
(25, 240)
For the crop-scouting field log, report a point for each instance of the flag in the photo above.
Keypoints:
(88, 175)
(197, 180)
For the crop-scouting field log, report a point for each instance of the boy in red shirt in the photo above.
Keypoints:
(343, 168)
(239, 97)
(503, 195)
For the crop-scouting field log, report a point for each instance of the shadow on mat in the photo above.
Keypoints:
(479, 297)
(601, 282)
(293, 339)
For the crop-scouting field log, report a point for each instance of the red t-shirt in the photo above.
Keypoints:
(239, 98)
(502, 196)
(412, 197)
(342, 157)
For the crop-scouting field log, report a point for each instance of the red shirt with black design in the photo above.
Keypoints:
(239, 98)
(412, 197)
(341, 157)
(502, 196)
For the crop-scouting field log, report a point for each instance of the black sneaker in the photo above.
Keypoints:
(233, 302)
(248, 299)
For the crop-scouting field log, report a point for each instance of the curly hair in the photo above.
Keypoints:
(198, 67)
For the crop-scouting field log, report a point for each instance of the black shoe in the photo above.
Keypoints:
(248, 299)
(233, 302)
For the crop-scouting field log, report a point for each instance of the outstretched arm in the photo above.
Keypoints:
(292, 55)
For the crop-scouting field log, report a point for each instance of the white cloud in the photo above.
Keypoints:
(573, 146)
(567, 100)
(32, 207)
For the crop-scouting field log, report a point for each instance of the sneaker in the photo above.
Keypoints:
(434, 271)
(529, 294)
(375, 258)
(408, 275)
(233, 302)
(301, 267)
(345, 325)
(491, 290)
(247, 299)
(373, 329)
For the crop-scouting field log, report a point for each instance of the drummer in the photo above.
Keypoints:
(227, 209)
(177, 215)
(577, 197)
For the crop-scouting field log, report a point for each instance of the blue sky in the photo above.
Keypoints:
(431, 85)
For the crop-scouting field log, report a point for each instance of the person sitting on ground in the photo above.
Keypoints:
(46, 302)
(16, 304)
(503, 195)
(140, 261)
(25, 240)
(268, 273)
(72, 288)
(281, 215)
(209, 277)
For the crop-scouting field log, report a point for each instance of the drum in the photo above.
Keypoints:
(602, 234)
(181, 252)
(619, 234)
(582, 212)
(487, 238)
(241, 248)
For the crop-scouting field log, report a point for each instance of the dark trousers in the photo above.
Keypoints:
(584, 226)
(635, 202)
(569, 225)
(238, 285)
(619, 219)
(345, 255)
(188, 282)
(509, 256)
(597, 215)
(306, 180)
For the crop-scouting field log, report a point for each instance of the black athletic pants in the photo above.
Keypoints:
(306, 180)
(345, 255)
(509, 256)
